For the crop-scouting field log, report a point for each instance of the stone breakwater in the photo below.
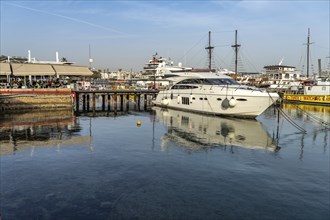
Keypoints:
(24, 99)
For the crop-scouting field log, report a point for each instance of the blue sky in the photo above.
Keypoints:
(125, 34)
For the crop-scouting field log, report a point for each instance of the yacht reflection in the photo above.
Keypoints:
(43, 128)
(197, 132)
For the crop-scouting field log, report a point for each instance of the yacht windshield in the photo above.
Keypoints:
(210, 81)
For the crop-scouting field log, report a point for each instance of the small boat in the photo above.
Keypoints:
(316, 91)
(215, 94)
(310, 92)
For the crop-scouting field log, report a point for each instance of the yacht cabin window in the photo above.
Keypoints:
(210, 81)
(183, 87)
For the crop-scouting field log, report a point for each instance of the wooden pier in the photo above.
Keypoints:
(112, 100)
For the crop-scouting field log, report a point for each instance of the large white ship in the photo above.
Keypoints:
(161, 67)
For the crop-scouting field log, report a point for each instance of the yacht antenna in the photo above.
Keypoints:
(236, 46)
(210, 48)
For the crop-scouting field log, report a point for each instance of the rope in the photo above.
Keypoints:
(210, 105)
(287, 117)
(315, 118)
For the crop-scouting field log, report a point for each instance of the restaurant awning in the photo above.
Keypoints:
(5, 69)
(68, 70)
(32, 69)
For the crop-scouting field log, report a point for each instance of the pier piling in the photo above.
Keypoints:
(103, 102)
(115, 103)
(87, 102)
(121, 102)
(113, 97)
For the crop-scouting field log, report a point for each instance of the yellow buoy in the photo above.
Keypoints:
(138, 123)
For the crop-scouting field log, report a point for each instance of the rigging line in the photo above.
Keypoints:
(286, 116)
(217, 32)
(192, 47)
(224, 45)
(210, 105)
(323, 47)
(221, 60)
(321, 121)
(226, 56)
(245, 55)
(280, 125)
(205, 96)
(292, 122)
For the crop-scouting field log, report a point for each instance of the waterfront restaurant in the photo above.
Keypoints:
(26, 73)
(5, 72)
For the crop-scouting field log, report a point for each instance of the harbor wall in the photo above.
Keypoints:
(24, 99)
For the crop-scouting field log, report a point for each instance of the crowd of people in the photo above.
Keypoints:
(36, 84)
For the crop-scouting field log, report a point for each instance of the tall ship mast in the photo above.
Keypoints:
(308, 43)
(236, 47)
(209, 49)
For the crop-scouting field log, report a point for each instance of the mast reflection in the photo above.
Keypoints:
(196, 132)
(319, 115)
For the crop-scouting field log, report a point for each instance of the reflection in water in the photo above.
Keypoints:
(40, 128)
(201, 132)
(313, 120)
(318, 115)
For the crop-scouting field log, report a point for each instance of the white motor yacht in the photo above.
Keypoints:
(215, 94)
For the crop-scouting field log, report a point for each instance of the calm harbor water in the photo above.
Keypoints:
(176, 165)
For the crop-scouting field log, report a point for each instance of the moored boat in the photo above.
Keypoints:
(311, 92)
(215, 94)
(316, 91)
